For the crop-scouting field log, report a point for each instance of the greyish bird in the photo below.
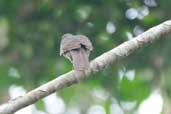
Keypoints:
(77, 49)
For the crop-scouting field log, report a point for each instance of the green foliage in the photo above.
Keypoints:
(30, 34)
(135, 90)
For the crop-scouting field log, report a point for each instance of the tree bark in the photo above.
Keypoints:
(97, 64)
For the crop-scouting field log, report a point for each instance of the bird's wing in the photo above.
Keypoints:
(85, 41)
(68, 43)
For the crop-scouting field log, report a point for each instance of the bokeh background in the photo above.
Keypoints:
(30, 34)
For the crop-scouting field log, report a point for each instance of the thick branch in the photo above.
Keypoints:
(97, 64)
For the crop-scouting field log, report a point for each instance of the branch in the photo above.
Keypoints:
(97, 64)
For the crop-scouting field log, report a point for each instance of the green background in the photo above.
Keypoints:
(30, 35)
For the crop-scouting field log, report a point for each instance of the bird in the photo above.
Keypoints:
(77, 49)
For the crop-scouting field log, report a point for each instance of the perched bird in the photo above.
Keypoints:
(77, 49)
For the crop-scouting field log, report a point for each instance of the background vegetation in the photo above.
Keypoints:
(30, 34)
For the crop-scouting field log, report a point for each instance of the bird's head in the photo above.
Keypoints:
(67, 35)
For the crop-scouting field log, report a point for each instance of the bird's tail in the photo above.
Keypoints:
(80, 59)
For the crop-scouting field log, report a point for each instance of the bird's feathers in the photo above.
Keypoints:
(76, 48)
(70, 42)
(80, 59)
